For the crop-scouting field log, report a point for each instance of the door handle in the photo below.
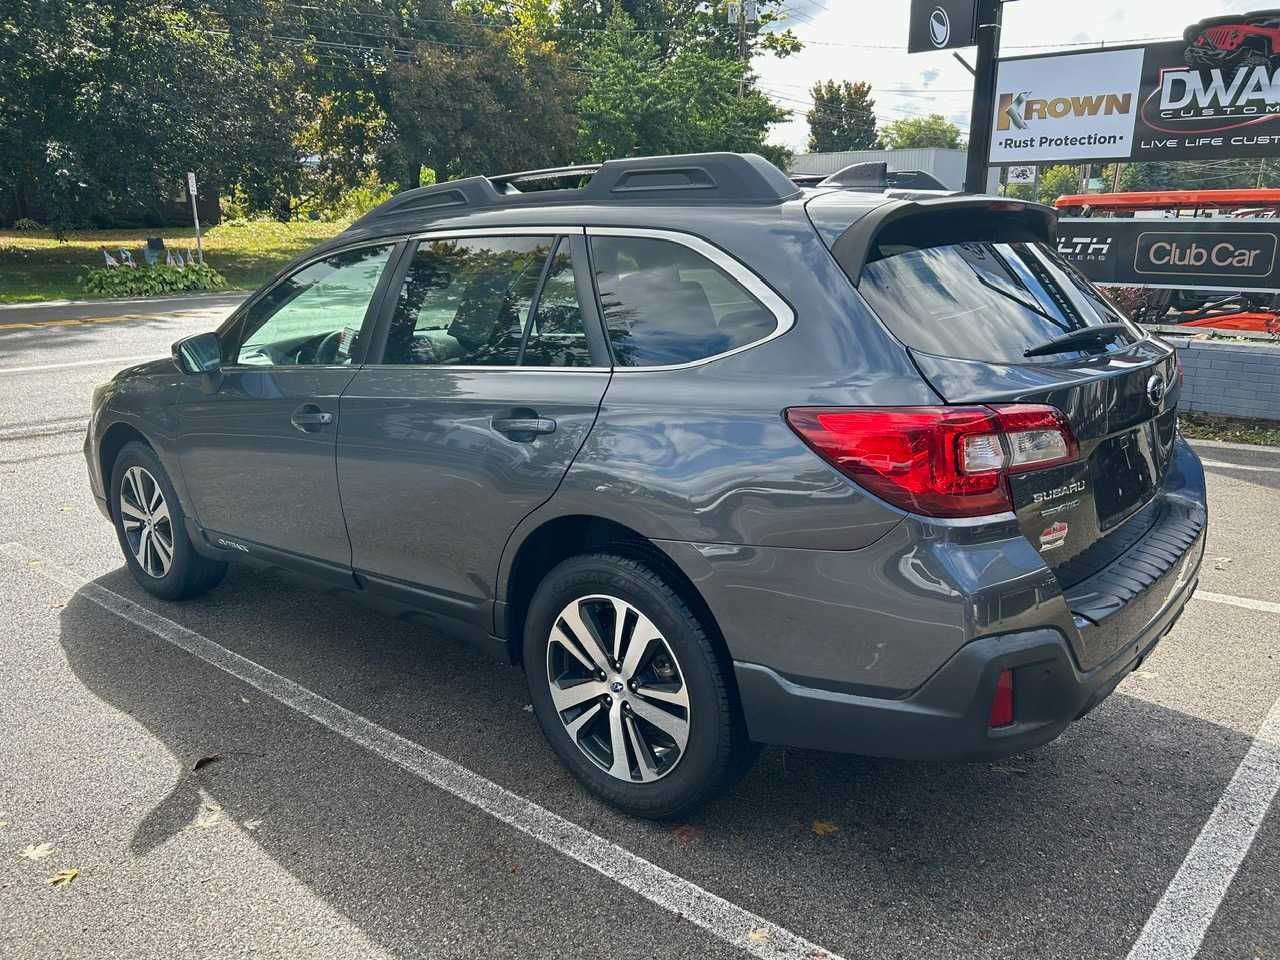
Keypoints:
(520, 428)
(309, 418)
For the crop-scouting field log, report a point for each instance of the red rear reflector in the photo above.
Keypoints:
(1002, 702)
(937, 461)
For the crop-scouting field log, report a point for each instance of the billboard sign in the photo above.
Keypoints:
(1078, 106)
(942, 25)
(1213, 95)
(1201, 254)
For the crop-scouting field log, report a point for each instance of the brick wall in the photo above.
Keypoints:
(1232, 379)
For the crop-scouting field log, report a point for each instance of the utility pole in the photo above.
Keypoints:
(742, 12)
(984, 95)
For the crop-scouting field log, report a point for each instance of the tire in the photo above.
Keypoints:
(655, 781)
(137, 475)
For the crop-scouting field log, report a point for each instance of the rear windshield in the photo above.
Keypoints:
(985, 301)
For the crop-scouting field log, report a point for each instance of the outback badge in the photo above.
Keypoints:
(1054, 536)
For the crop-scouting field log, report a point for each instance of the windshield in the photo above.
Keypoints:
(986, 301)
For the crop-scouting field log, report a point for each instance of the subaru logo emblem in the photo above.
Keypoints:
(1155, 390)
(616, 686)
(939, 27)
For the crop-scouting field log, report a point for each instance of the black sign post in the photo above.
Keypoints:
(946, 24)
(984, 95)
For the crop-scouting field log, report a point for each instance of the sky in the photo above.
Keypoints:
(867, 39)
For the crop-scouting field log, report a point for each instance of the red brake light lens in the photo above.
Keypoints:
(1002, 702)
(937, 461)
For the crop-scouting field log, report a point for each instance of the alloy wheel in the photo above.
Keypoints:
(618, 688)
(148, 527)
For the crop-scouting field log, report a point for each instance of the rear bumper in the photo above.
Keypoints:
(947, 718)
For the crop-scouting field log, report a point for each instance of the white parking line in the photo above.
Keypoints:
(741, 928)
(1224, 465)
(79, 363)
(49, 428)
(1176, 929)
(1248, 603)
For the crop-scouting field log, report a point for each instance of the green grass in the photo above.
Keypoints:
(1202, 426)
(36, 266)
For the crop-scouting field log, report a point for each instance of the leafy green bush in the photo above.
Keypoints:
(27, 225)
(144, 281)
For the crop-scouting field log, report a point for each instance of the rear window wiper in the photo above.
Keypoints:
(1100, 333)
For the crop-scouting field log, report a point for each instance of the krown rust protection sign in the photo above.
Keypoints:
(1214, 94)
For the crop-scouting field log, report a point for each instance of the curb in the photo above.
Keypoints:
(35, 304)
(1228, 445)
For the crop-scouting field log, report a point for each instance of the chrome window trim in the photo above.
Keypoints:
(781, 310)
(493, 369)
(499, 231)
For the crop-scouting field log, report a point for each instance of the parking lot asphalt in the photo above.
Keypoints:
(379, 792)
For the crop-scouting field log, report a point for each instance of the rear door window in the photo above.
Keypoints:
(982, 300)
(665, 304)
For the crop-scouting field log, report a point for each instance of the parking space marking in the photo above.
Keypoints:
(1224, 465)
(1176, 928)
(78, 363)
(729, 922)
(49, 428)
(1248, 603)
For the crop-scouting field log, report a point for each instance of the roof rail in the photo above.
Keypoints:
(686, 179)
(689, 178)
(440, 198)
(549, 173)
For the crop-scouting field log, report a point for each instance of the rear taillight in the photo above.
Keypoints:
(938, 461)
(1002, 701)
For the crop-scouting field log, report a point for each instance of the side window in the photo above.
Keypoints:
(314, 316)
(466, 302)
(556, 337)
(665, 303)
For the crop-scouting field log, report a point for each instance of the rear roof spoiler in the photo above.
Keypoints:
(933, 223)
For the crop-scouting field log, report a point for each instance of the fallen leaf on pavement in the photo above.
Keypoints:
(1220, 563)
(758, 935)
(824, 827)
(210, 814)
(685, 834)
(205, 761)
(63, 878)
(252, 824)
(38, 852)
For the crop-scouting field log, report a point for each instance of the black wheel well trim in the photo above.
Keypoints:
(571, 535)
(114, 439)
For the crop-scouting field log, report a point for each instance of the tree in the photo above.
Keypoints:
(1058, 181)
(843, 117)
(636, 103)
(492, 106)
(105, 106)
(931, 131)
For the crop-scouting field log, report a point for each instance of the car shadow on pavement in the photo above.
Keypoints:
(1062, 851)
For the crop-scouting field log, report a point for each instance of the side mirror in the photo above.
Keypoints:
(201, 353)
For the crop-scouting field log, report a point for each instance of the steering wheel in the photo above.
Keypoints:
(327, 351)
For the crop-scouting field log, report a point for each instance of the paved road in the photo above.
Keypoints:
(381, 792)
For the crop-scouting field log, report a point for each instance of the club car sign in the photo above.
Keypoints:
(1213, 94)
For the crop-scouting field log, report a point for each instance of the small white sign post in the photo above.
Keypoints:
(191, 189)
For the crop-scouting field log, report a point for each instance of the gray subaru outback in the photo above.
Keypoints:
(719, 461)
